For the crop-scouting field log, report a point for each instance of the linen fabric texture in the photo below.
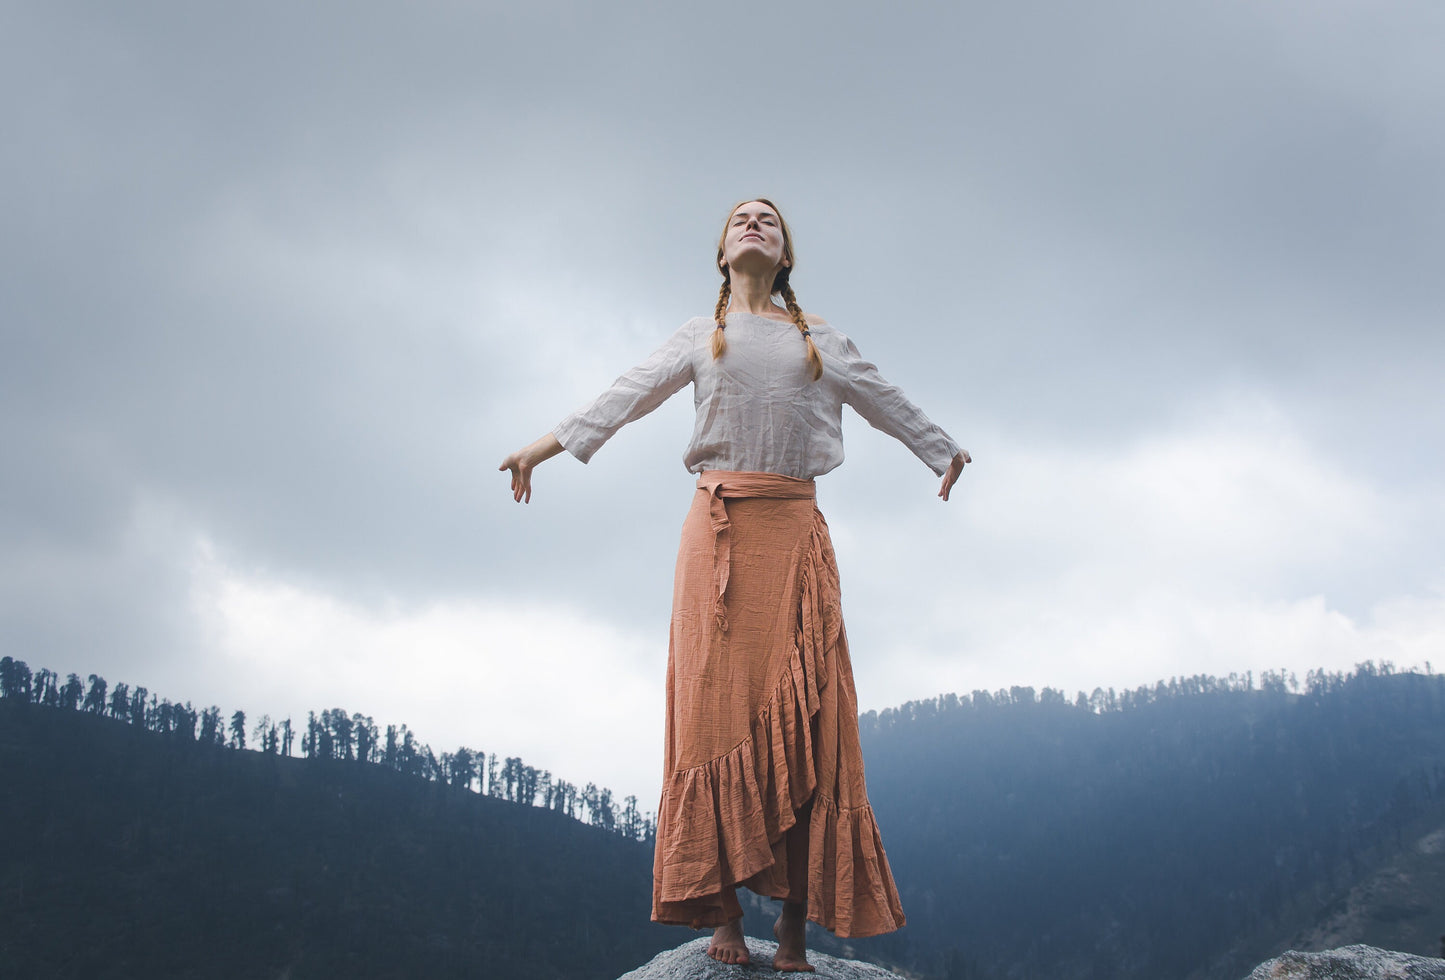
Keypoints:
(758, 407)
(763, 782)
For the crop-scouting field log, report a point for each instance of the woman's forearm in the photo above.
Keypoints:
(543, 449)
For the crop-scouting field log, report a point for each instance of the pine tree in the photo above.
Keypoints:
(95, 697)
(120, 702)
(15, 679)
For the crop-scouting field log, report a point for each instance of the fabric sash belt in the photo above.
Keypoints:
(722, 484)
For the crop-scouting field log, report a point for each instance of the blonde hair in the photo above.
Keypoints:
(780, 286)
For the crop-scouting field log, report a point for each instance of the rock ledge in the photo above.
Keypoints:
(1350, 963)
(691, 962)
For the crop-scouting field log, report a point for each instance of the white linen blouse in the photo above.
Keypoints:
(758, 408)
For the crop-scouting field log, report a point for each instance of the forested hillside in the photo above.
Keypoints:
(1177, 831)
(1168, 830)
(333, 734)
(136, 848)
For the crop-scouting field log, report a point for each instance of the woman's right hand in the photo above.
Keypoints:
(524, 461)
(955, 470)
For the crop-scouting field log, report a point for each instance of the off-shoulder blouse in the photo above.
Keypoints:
(758, 408)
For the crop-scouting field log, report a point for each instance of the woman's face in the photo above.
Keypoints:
(753, 241)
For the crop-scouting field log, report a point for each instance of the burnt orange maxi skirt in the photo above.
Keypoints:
(763, 775)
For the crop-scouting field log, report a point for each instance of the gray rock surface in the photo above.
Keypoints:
(1350, 963)
(691, 962)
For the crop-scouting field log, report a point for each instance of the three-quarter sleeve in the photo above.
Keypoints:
(885, 407)
(631, 396)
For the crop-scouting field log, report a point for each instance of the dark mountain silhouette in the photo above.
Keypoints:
(127, 852)
(1174, 830)
(1181, 830)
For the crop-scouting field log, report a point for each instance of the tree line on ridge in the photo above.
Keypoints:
(334, 734)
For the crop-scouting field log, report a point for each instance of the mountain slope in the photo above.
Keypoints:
(127, 853)
(1141, 836)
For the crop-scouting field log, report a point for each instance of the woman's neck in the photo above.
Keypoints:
(752, 294)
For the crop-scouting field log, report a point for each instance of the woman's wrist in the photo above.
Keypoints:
(542, 450)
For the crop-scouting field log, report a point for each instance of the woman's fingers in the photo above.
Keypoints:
(954, 469)
(521, 478)
(524, 461)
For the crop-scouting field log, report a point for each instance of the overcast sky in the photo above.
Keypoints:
(282, 283)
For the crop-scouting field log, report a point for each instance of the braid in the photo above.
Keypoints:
(719, 315)
(815, 360)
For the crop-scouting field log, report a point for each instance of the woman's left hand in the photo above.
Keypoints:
(954, 469)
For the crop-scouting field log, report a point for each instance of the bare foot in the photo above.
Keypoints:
(728, 945)
(792, 954)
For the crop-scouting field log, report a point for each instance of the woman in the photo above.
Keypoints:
(763, 778)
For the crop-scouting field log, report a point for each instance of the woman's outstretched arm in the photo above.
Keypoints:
(887, 409)
(524, 460)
